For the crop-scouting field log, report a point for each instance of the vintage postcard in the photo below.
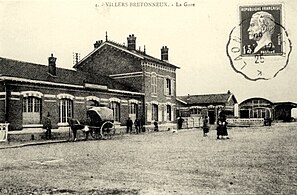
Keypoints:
(148, 97)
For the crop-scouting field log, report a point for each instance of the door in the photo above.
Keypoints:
(211, 115)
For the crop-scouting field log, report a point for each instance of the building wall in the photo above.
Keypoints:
(109, 60)
(283, 112)
(256, 108)
(161, 73)
(50, 102)
(133, 83)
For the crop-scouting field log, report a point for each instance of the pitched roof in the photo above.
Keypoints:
(38, 72)
(136, 53)
(207, 99)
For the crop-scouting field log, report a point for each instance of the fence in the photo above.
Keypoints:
(245, 122)
(3, 131)
(191, 122)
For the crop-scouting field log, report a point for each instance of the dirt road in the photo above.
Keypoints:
(253, 161)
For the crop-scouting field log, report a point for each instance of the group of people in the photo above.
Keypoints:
(137, 124)
(222, 132)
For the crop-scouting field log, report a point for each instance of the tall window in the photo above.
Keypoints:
(65, 110)
(154, 83)
(115, 106)
(31, 104)
(168, 84)
(168, 113)
(31, 110)
(154, 112)
(133, 109)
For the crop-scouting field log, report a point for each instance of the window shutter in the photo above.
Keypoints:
(149, 113)
(160, 113)
(165, 86)
(172, 87)
(172, 113)
(165, 113)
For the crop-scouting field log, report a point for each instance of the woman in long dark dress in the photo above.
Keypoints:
(222, 132)
(219, 128)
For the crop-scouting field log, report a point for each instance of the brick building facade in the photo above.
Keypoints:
(155, 78)
(120, 77)
(27, 96)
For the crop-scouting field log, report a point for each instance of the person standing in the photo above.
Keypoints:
(224, 128)
(205, 126)
(180, 121)
(137, 124)
(129, 125)
(156, 127)
(75, 125)
(219, 127)
(47, 125)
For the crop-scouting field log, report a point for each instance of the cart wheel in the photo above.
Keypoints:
(107, 130)
(95, 134)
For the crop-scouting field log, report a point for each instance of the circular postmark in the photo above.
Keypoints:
(259, 47)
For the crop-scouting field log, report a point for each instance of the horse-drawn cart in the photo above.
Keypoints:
(99, 123)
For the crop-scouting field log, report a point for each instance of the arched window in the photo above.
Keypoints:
(115, 106)
(31, 110)
(65, 109)
(92, 103)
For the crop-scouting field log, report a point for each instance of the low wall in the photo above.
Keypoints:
(245, 122)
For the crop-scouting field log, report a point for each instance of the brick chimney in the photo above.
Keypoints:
(131, 42)
(52, 65)
(164, 53)
(97, 44)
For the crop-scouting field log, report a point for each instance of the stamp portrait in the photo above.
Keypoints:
(261, 29)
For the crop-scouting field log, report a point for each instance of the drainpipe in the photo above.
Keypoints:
(6, 103)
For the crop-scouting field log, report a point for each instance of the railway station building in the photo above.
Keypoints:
(263, 108)
(129, 81)
(210, 105)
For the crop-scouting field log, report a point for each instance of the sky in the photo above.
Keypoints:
(196, 36)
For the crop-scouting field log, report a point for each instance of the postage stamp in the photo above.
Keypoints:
(259, 47)
(261, 29)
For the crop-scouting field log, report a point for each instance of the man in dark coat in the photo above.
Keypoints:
(180, 121)
(129, 125)
(47, 125)
(205, 126)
